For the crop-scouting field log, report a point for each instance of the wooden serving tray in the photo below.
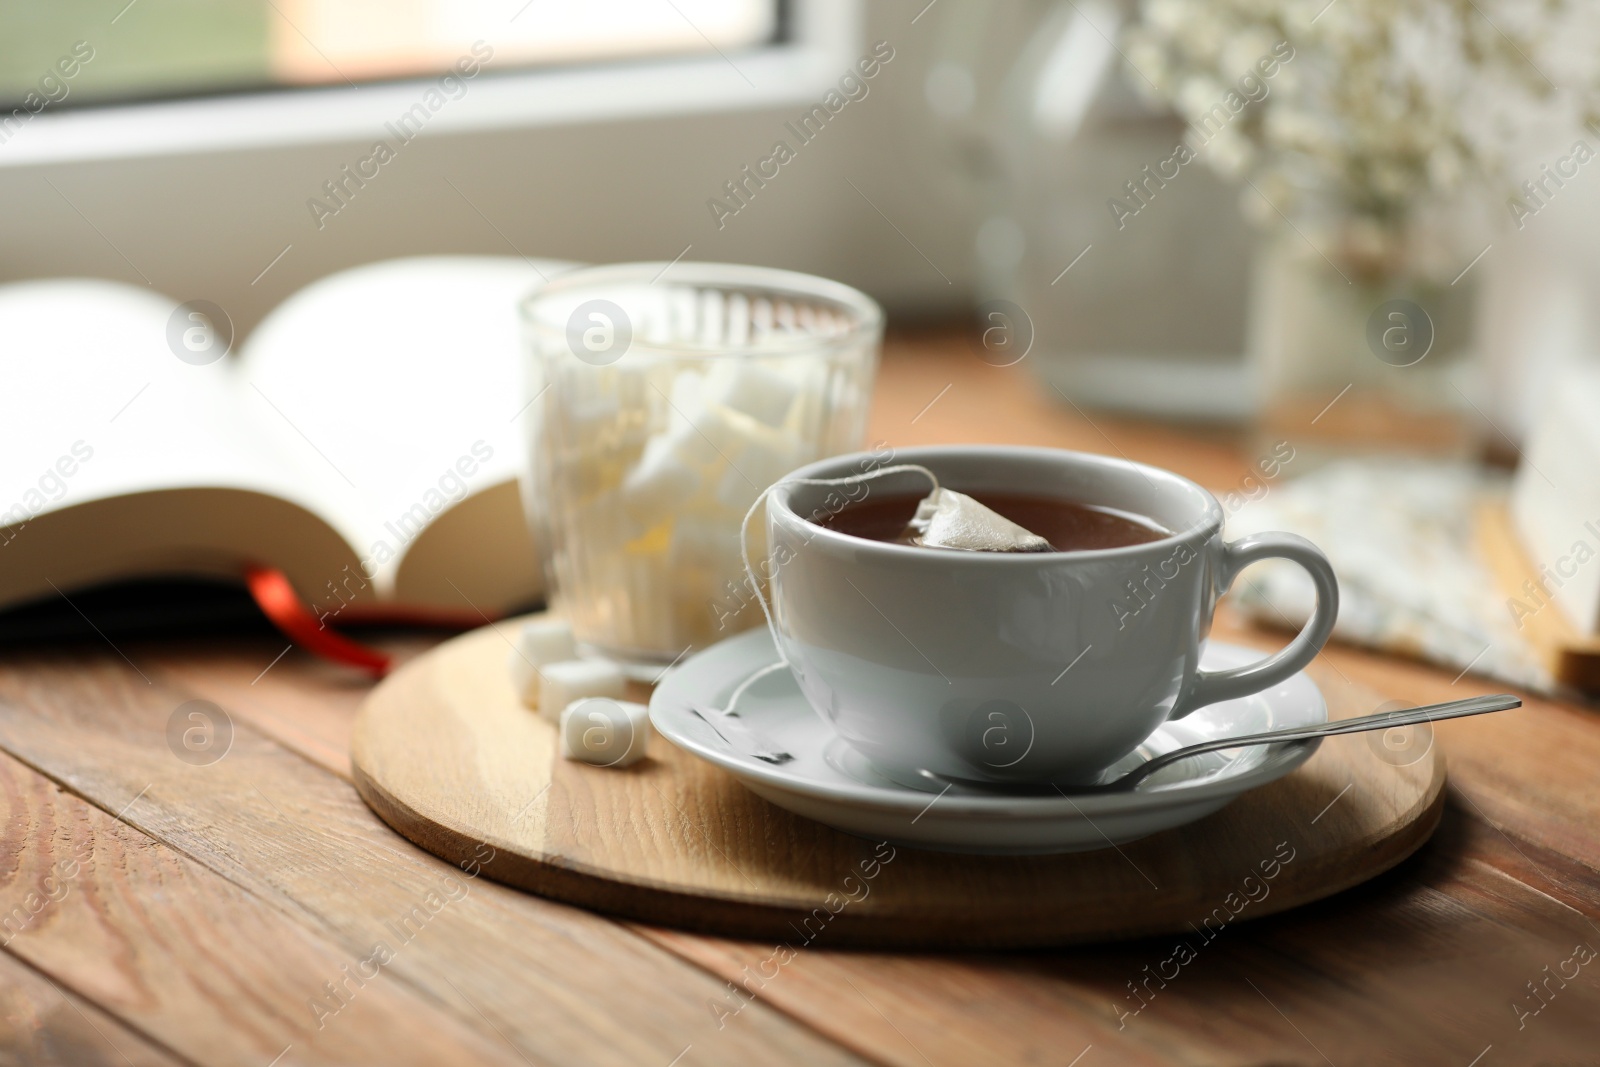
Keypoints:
(445, 754)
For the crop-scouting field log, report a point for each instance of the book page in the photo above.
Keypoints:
(400, 386)
(123, 453)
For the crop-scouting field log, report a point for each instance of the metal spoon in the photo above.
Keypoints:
(1383, 720)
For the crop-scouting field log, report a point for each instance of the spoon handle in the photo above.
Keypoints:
(1383, 720)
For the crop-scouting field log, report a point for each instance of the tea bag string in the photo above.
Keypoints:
(755, 583)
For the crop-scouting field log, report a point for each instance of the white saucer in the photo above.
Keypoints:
(830, 782)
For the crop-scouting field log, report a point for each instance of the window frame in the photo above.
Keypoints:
(819, 41)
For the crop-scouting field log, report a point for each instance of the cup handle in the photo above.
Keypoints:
(1211, 687)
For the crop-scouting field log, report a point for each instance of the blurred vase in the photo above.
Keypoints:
(1144, 311)
(1350, 361)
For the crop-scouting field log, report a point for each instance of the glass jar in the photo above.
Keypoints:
(668, 398)
(1351, 362)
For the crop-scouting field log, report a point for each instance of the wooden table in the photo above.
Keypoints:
(159, 912)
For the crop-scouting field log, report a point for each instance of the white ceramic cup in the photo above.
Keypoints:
(1025, 667)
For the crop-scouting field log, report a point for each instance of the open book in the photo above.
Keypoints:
(365, 442)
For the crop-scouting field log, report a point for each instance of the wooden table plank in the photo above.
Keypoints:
(1431, 958)
(1008, 405)
(550, 979)
(41, 1024)
(186, 957)
(305, 704)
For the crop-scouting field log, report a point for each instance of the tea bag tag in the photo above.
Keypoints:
(947, 519)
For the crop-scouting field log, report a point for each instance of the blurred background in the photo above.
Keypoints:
(1344, 228)
(980, 164)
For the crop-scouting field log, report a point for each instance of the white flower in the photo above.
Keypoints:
(1385, 105)
(1196, 96)
(1229, 153)
(1167, 16)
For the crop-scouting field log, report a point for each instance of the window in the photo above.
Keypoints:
(149, 49)
(179, 149)
(205, 76)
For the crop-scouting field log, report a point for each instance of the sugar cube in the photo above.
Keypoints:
(604, 732)
(539, 642)
(562, 683)
(750, 389)
(687, 391)
(702, 433)
(659, 483)
(709, 544)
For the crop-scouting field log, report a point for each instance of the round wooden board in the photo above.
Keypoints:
(445, 754)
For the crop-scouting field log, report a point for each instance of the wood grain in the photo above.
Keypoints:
(521, 975)
(42, 1024)
(1429, 958)
(201, 966)
(445, 753)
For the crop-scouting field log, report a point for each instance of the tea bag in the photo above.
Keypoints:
(947, 519)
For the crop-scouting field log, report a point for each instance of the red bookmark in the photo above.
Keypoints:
(277, 599)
